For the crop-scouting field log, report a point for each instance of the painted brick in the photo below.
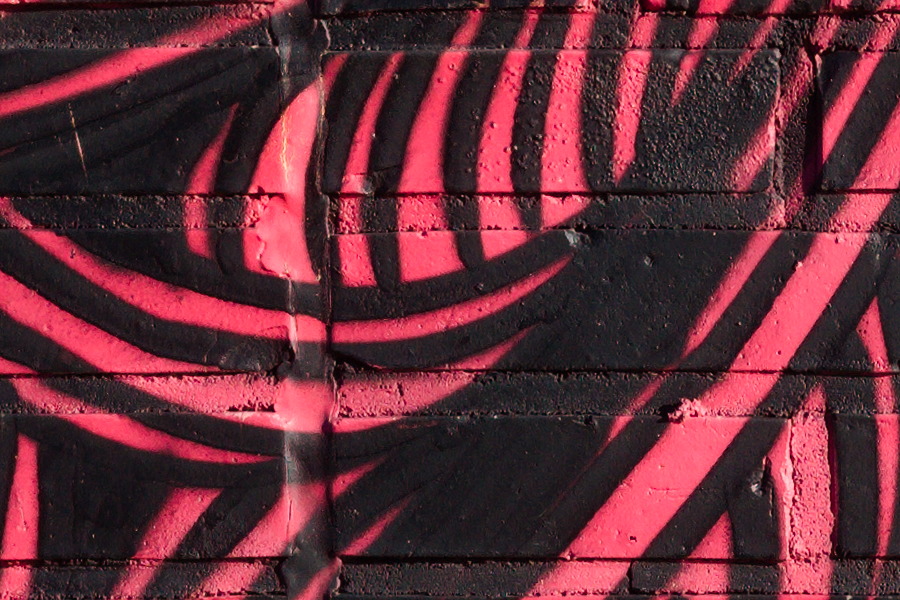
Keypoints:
(853, 158)
(109, 140)
(148, 579)
(491, 212)
(107, 486)
(491, 579)
(150, 300)
(56, 25)
(617, 299)
(337, 7)
(557, 486)
(741, 7)
(496, 140)
(864, 483)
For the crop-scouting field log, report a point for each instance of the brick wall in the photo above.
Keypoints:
(396, 299)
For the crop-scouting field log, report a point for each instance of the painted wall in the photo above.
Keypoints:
(416, 299)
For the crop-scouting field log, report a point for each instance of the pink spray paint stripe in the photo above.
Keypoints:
(839, 112)
(760, 242)
(355, 260)
(102, 73)
(420, 213)
(703, 30)
(202, 181)
(790, 320)
(90, 344)
(126, 431)
(633, 73)
(647, 515)
(278, 529)
(426, 255)
(371, 534)
(776, 7)
(445, 319)
(8, 367)
(122, 430)
(178, 514)
(561, 163)
(747, 168)
(424, 160)
(273, 245)
(732, 283)
(871, 333)
(20, 533)
(887, 443)
(355, 180)
(123, 65)
(21, 530)
(163, 300)
(494, 170)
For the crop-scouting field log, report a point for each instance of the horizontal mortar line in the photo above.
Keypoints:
(586, 228)
(351, 15)
(612, 195)
(125, 227)
(600, 371)
(431, 417)
(74, 6)
(156, 374)
(120, 562)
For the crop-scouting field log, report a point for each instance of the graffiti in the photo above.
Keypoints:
(599, 298)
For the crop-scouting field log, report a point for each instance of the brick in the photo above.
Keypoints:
(625, 300)
(164, 580)
(428, 30)
(340, 7)
(865, 476)
(137, 212)
(457, 393)
(489, 579)
(92, 486)
(531, 213)
(498, 141)
(102, 121)
(853, 107)
(704, 578)
(741, 7)
(56, 26)
(146, 300)
(158, 394)
(534, 487)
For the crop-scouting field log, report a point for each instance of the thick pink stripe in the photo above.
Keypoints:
(424, 160)
(89, 343)
(356, 170)
(20, 534)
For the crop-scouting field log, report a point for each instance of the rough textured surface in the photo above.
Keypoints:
(405, 300)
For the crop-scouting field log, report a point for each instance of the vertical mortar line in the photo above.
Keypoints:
(328, 294)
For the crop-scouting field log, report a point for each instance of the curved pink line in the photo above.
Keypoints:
(442, 320)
